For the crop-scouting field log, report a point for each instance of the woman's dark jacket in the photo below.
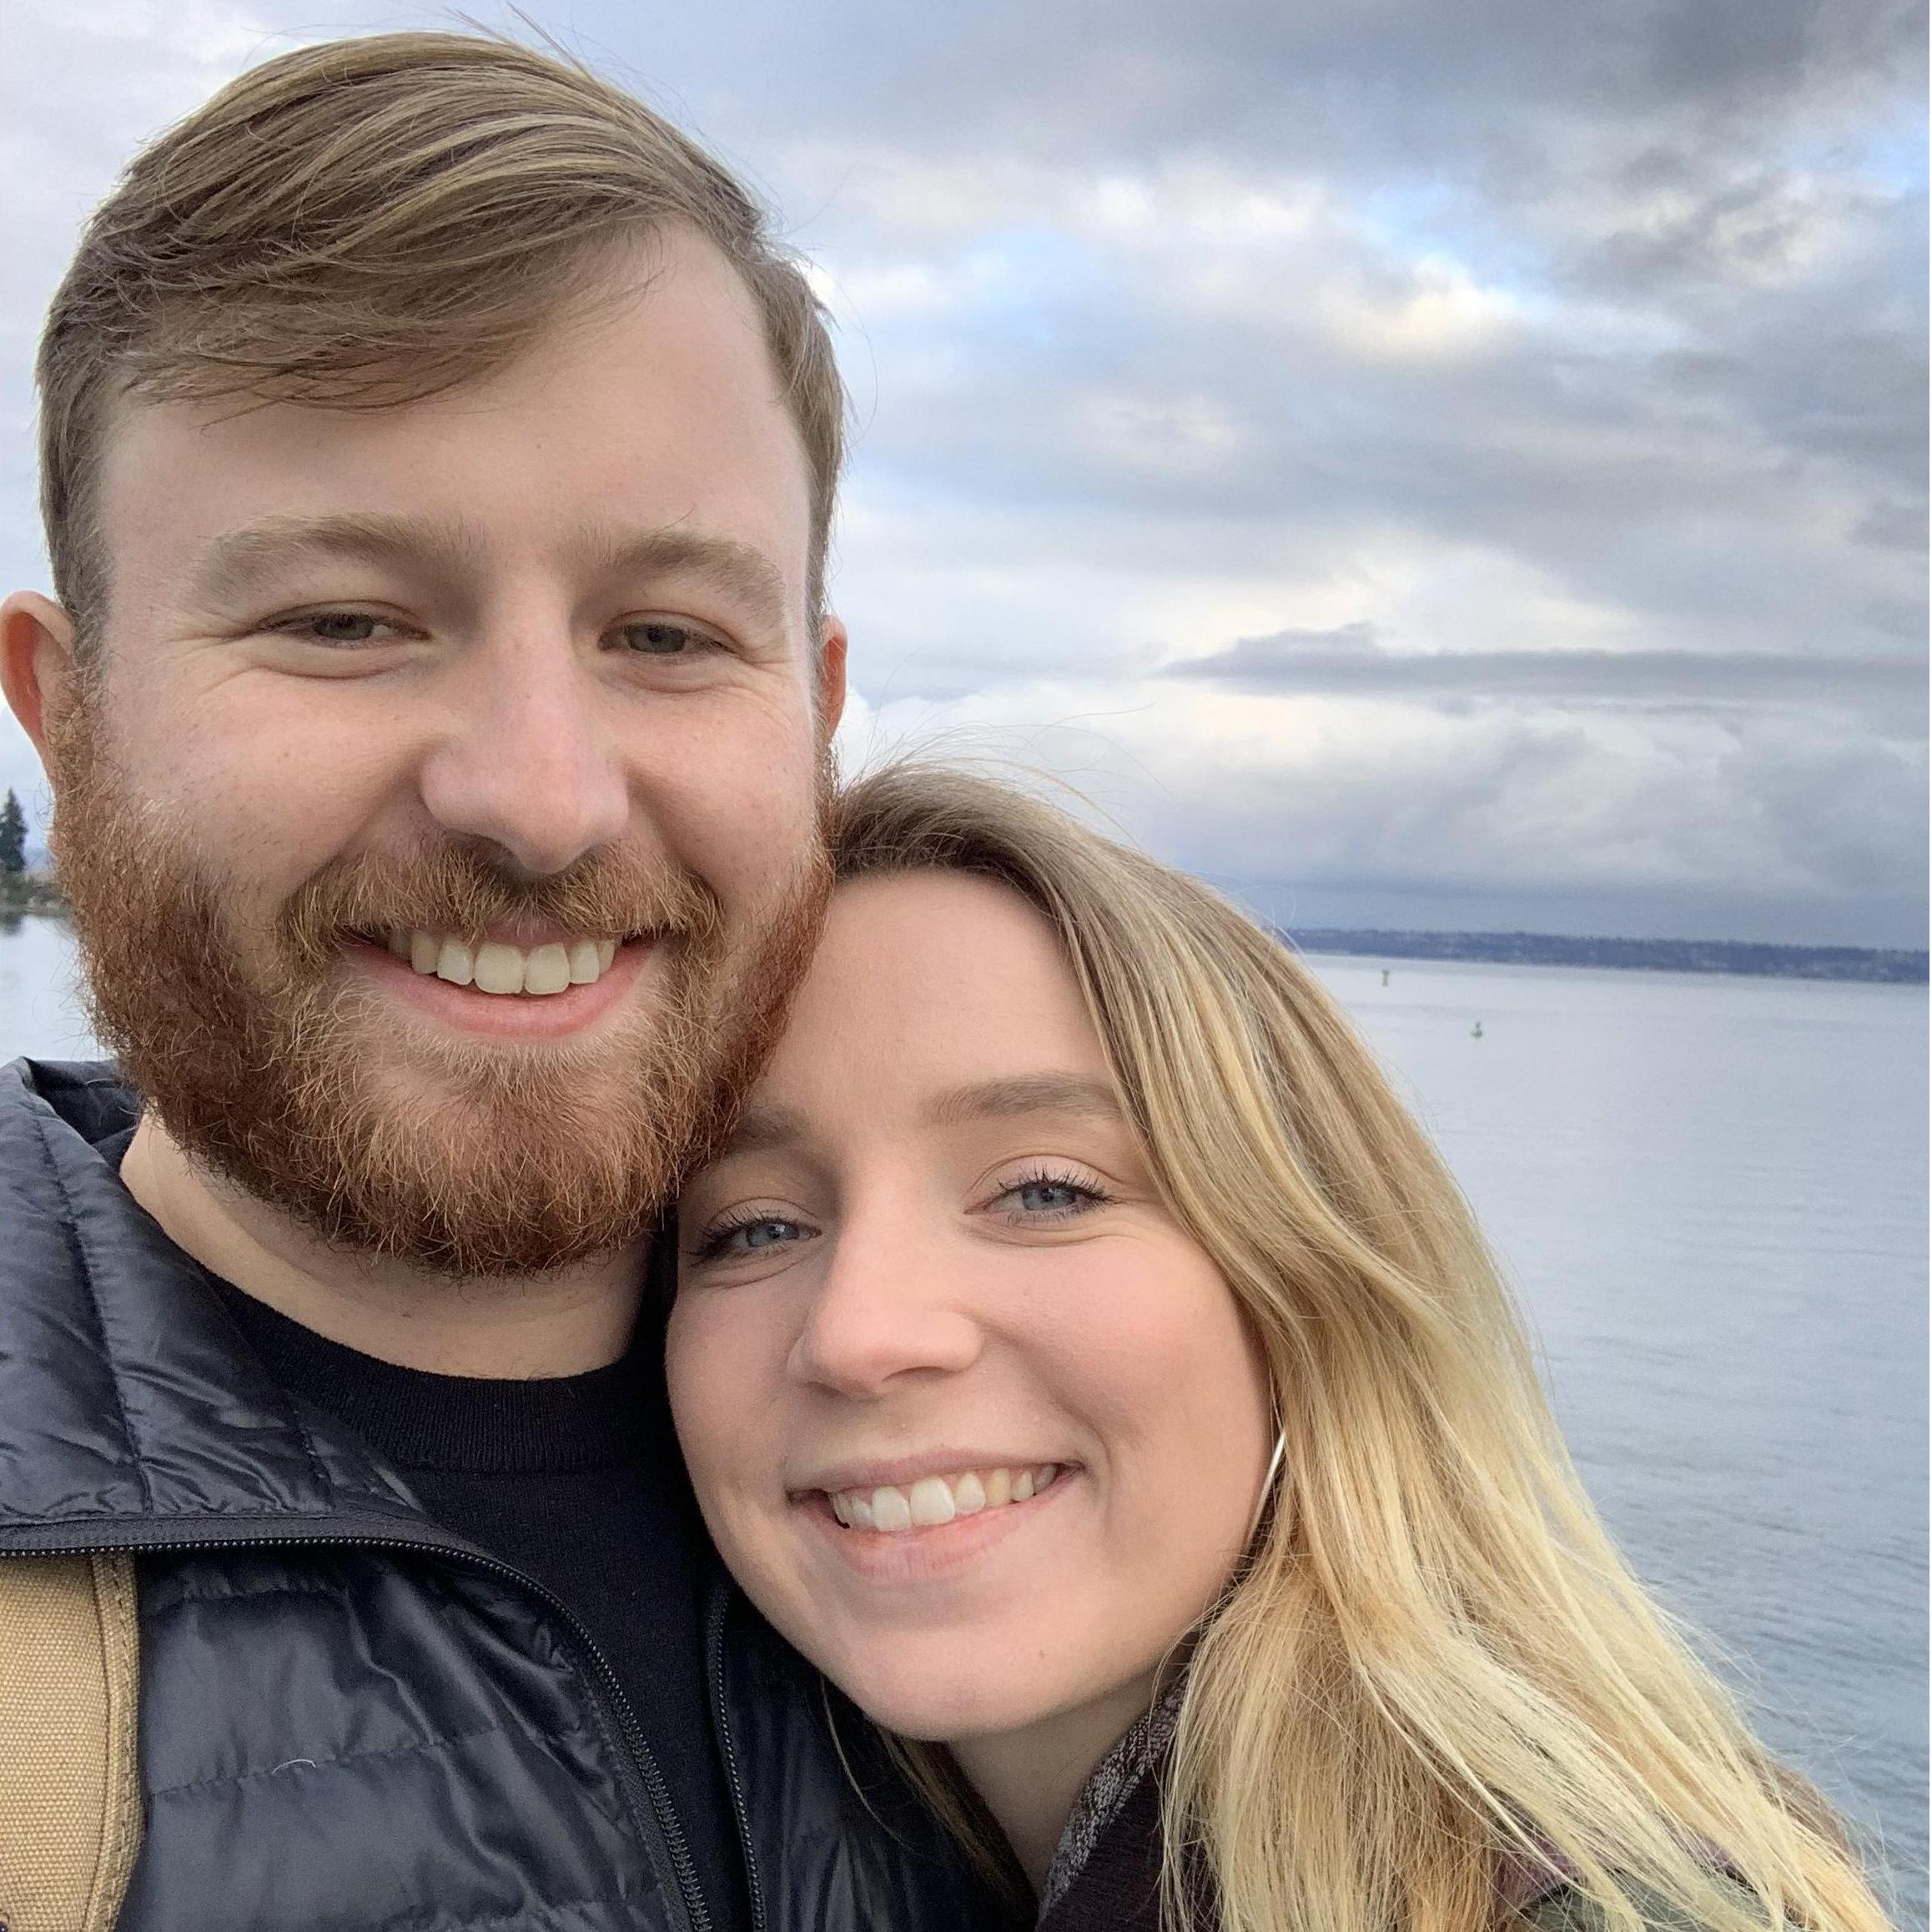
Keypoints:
(350, 1718)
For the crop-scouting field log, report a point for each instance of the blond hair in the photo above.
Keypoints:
(368, 222)
(1433, 1666)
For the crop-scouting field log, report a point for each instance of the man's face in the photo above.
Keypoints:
(513, 686)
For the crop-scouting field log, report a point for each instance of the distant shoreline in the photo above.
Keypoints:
(1874, 965)
(22, 893)
(35, 894)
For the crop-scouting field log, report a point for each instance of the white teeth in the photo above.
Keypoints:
(936, 1500)
(495, 967)
(890, 1509)
(498, 968)
(547, 969)
(931, 1502)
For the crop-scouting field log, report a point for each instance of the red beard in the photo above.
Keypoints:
(462, 1158)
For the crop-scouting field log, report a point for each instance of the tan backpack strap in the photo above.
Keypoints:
(70, 1792)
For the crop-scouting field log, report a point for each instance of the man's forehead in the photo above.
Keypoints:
(606, 450)
(666, 304)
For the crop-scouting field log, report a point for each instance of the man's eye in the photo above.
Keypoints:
(659, 637)
(338, 627)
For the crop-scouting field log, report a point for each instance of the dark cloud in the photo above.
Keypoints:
(1344, 662)
(1339, 85)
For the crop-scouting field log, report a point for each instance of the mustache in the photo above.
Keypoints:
(463, 887)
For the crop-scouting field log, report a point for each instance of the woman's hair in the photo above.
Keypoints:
(1433, 1668)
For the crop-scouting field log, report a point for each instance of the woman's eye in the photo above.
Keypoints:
(742, 1239)
(1049, 1197)
(660, 637)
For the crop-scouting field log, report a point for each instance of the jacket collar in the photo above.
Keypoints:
(132, 1413)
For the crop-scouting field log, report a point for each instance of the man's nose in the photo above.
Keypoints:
(888, 1307)
(525, 761)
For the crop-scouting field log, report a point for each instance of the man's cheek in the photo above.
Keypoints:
(276, 819)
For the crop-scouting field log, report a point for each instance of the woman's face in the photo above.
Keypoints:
(977, 1426)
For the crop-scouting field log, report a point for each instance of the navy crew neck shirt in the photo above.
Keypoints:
(576, 1482)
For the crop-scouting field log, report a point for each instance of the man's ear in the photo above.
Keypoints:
(831, 681)
(37, 664)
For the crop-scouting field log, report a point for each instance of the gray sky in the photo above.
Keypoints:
(1417, 464)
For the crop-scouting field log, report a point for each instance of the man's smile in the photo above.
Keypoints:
(501, 967)
(504, 991)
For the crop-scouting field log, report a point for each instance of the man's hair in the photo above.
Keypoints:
(372, 221)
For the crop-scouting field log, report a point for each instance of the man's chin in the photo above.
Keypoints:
(427, 1071)
(470, 1160)
(462, 1155)
(570, 1104)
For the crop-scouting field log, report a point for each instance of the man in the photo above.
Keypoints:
(438, 458)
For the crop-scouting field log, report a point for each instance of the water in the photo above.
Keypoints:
(40, 1004)
(1711, 1194)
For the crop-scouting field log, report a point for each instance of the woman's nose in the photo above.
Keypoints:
(885, 1310)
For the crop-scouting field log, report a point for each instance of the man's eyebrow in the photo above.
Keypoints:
(742, 570)
(1023, 1094)
(236, 560)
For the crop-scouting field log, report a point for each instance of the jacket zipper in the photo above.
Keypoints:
(714, 1624)
(639, 1767)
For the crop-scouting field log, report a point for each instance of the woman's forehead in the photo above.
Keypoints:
(928, 982)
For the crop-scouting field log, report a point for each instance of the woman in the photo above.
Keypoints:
(1082, 1359)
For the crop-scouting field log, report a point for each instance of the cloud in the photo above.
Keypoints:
(1395, 449)
(1375, 798)
(1345, 661)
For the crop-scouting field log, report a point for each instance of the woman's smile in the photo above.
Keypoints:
(904, 1534)
(931, 1501)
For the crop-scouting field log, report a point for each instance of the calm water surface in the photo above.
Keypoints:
(1711, 1194)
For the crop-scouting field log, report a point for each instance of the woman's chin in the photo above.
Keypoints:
(940, 1708)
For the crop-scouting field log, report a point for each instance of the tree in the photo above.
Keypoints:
(12, 839)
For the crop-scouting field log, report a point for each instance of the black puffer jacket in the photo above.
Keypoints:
(350, 1719)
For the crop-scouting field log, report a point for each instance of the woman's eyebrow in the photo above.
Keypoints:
(761, 1128)
(1023, 1094)
(764, 1127)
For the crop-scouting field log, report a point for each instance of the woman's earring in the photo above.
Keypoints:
(1275, 1463)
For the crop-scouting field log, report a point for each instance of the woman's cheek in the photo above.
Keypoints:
(721, 1364)
(699, 1373)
